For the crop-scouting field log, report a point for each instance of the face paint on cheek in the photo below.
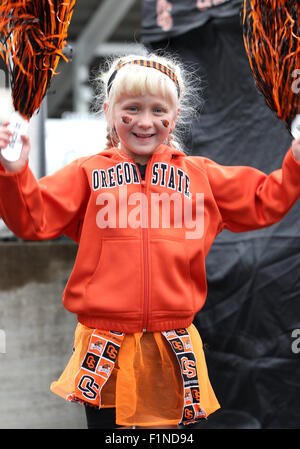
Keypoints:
(165, 123)
(126, 119)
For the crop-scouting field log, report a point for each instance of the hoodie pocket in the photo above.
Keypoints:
(170, 277)
(116, 283)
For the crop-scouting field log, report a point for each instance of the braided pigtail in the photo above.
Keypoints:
(171, 141)
(112, 139)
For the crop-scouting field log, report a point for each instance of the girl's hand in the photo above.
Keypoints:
(5, 137)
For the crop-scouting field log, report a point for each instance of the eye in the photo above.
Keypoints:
(132, 108)
(159, 110)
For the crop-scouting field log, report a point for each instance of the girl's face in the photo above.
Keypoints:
(142, 124)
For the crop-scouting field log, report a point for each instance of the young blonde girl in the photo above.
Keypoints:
(145, 215)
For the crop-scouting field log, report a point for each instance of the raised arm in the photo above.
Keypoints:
(44, 209)
(248, 198)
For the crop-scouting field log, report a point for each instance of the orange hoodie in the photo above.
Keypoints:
(142, 244)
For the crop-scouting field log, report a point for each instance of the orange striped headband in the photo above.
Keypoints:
(151, 64)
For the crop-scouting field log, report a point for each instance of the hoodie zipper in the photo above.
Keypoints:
(145, 250)
(146, 265)
(145, 253)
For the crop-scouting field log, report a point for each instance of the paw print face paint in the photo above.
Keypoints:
(165, 123)
(126, 119)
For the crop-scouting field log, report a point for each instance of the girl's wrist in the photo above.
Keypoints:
(296, 149)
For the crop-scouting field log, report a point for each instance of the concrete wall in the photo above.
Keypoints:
(38, 335)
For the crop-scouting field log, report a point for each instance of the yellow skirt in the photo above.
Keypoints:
(145, 386)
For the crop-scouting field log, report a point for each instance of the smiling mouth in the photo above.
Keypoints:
(143, 136)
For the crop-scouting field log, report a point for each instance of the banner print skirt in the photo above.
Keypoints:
(152, 379)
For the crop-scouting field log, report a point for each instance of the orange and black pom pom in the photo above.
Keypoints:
(33, 34)
(271, 30)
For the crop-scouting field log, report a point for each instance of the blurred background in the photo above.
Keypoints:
(251, 321)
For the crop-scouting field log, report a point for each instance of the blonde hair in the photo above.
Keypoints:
(134, 80)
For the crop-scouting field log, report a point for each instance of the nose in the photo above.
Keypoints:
(145, 120)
